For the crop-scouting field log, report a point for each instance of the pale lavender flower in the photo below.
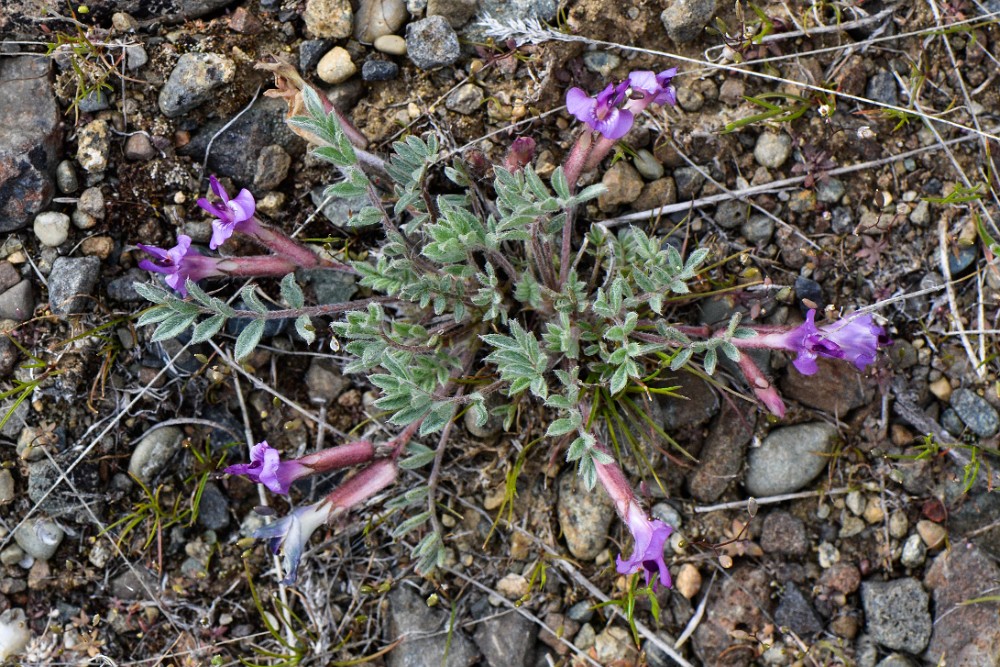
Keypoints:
(603, 112)
(855, 339)
(179, 263)
(267, 468)
(650, 536)
(657, 88)
(232, 215)
(291, 533)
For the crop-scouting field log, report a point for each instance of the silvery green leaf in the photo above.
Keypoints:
(291, 292)
(563, 426)
(411, 497)
(410, 524)
(153, 315)
(150, 292)
(619, 379)
(560, 184)
(172, 327)
(250, 298)
(419, 456)
(682, 358)
(198, 293)
(304, 327)
(248, 339)
(730, 351)
(207, 328)
(711, 359)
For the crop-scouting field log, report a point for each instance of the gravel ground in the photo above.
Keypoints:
(872, 539)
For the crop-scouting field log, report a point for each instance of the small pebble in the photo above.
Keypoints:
(931, 533)
(135, 57)
(98, 246)
(336, 66)
(94, 146)
(941, 388)
(855, 502)
(394, 45)
(83, 220)
(647, 165)
(139, 148)
(914, 552)
(898, 524)
(465, 99)
(52, 228)
(432, 42)
(873, 511)
(66, 177)
(379, 70)
(601, 62)
(123, 22)
(688, 581)
(91, 202)
(6, 487)
(772, 150)
(513, 586)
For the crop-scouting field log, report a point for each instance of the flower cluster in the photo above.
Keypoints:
(613, 110)
(182, 262)
(267, 468)
(856, 339)
(291, 533)
(611, 114)
(234, 214)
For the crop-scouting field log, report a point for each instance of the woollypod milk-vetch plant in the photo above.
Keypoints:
(490, 297)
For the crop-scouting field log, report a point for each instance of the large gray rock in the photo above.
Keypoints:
(193, 81)
(788, 459)
(964, 634)
(18, 302)
(975, 412)
(584, 516)
(30, 138)
(506, 640)
(71, 283)
(897, 614)
(427, 637)
(722, 456)
(235, 151)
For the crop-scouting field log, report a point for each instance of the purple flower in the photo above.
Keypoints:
(290, 534)
(231, 215)
(603, 113)
(179, 263)
(656, 87)
(267, 468)
(855, 339)
(649, 536)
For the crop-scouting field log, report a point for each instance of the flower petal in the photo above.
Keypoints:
(217, 188)
(581, 105)
(616, 125)
(243, 206)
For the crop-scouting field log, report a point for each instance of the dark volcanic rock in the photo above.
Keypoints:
(30, 138)
(235, 151)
